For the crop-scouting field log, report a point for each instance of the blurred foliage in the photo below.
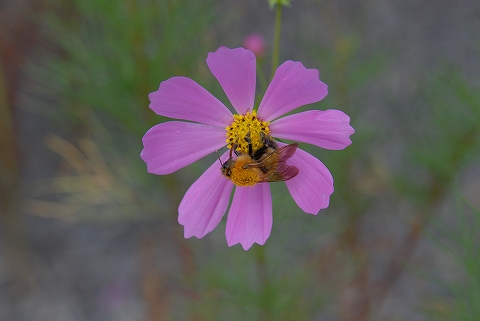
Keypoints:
(96, 183)
(459, 240)
(114, 53)
(444, 138)
(452, 128)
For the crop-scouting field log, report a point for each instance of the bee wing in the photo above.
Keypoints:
(286, 152)
(283, 172)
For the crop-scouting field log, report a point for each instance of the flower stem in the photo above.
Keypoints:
(261, 257)
(276, 38)
(265, 295)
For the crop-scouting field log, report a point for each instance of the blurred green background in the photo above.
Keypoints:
(88, 234)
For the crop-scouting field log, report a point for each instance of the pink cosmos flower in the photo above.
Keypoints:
(206, 125)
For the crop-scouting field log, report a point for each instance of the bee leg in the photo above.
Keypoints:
(248, 139)
(234, 149)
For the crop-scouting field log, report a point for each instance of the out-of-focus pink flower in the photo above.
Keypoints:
(207, 123)
(255, 43)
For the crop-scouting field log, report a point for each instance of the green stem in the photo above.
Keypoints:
(263, 278)
(276, 38)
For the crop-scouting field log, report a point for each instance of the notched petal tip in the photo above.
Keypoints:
(292, 86)
(312, 187)
(250, 217)
(329, 129)
(235, 70)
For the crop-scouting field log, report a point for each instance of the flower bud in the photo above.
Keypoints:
(256, 44)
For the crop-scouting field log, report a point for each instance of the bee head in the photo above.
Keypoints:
(227, 167)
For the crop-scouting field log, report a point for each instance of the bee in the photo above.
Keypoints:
(267, 164)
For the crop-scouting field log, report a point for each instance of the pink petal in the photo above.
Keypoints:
(235, 70)
(328, 129)
(312, 187)
(292, 86)
(205, 202)
(172, 145)
(250, 217)
(183, 98)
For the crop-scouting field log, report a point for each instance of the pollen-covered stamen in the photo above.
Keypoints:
(246, 133)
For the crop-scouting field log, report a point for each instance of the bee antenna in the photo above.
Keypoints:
(219, 158)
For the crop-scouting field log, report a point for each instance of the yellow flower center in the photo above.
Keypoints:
(245, 133)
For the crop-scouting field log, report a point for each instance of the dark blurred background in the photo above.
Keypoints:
(87, 234)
